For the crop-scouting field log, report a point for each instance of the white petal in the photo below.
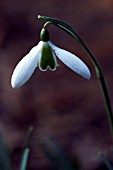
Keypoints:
(72, 61)
(26, 67)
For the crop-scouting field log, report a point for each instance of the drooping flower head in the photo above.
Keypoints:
(44, 56)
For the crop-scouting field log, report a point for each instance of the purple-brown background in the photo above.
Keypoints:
(60, 103)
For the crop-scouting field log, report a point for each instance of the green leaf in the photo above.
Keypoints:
(55, 154)
(5, 162)
(106, 161)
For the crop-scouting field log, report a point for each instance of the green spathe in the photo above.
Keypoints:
(47, 58)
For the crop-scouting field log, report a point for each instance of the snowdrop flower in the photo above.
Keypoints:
(44, 56)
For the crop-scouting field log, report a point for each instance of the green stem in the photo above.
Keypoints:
(26, 149)
(46, 24)
(67, 28)
(24, 160)
(100, 77)
(28, 136)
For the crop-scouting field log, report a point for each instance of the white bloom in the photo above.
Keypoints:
(44, 55)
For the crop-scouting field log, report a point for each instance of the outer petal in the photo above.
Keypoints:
(72, 61)
(26, 67)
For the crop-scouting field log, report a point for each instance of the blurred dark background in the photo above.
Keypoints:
(59, 103)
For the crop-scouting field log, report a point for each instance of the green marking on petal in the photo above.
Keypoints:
(47, 58)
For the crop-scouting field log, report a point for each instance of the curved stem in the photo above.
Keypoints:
(100, 77)
(67, 28)
(46, 24)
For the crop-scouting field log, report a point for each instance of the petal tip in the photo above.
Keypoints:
(87, 74)
(13, 84)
